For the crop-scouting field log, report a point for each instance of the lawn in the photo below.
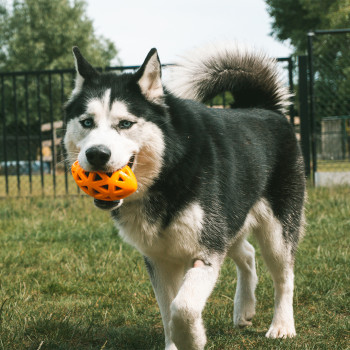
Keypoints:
(67, 281)
(37, 186)
(333, 166)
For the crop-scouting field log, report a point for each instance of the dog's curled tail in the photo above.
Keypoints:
(251, 76)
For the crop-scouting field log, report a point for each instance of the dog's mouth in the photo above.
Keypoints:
(131, 161)
(130, 164)
(106, 205)
(110, 205)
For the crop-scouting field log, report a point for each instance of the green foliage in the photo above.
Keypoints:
(3, 18)
(39, 34)
(225, 99)
(292, 19)
(69, 282)
(331, 63)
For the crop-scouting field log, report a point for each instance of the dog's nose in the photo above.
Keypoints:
(98, 155)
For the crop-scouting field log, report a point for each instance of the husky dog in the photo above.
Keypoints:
(206, 177)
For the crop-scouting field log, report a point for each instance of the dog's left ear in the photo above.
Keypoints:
(149, 77)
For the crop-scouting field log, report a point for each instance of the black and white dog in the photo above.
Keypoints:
(206, 177)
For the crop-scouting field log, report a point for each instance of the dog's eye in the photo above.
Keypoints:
(87, 123)
(125, 124)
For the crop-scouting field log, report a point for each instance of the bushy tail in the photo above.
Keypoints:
(252, 77)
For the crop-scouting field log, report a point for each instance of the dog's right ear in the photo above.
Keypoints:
(84, 69)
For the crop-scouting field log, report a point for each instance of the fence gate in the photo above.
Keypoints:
(329, 63)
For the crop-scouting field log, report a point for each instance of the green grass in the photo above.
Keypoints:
(23, 187)
(67, 281)
(333, 166)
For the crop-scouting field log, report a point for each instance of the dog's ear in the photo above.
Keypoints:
(84, 69)
(149, 77)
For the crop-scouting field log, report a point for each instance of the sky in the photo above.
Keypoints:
(174, 27)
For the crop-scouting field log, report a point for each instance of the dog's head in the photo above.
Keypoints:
(115, 120)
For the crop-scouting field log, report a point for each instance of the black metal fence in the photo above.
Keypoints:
(329, 75)
(31, 130)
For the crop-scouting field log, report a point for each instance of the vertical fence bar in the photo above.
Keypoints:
(304, 113)
(53, 136)
(3, 114)
(15, 112)
(72, 80)
(291, 89)
(310, 37)
(28, 134)
(40, 134)
(64, 126)
(343, 139)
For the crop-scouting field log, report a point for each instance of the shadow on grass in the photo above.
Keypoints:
(252, 333)
(67, 335)
(232, 331)
(63, 335)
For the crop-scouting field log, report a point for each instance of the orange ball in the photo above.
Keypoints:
(105, 186)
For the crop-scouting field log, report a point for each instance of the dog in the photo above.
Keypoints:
(206, 177)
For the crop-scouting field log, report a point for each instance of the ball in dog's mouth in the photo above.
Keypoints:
(109, 205)
(108, 189)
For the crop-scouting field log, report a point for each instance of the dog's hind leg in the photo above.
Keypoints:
(243, 254)
(278, 254)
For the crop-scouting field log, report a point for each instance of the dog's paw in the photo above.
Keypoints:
(281, 331)
(243, 314)
(242, 322)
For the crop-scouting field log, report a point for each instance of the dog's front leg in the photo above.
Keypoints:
(186, 325)
(166, 280)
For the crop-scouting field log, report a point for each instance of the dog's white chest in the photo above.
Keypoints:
(176, 241)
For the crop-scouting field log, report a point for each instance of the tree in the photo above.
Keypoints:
(39, 34)
(3, 18)
(292, 19)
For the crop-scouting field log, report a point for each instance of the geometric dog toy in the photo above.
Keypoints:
(105, 186)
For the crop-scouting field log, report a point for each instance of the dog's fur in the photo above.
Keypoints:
(207, 177)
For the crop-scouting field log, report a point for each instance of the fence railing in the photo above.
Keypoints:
(31, 129)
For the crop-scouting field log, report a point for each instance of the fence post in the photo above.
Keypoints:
(304, 112)
(310, 37)
(291, 89)
(3, 117)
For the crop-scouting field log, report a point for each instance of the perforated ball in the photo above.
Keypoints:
(105, 186)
